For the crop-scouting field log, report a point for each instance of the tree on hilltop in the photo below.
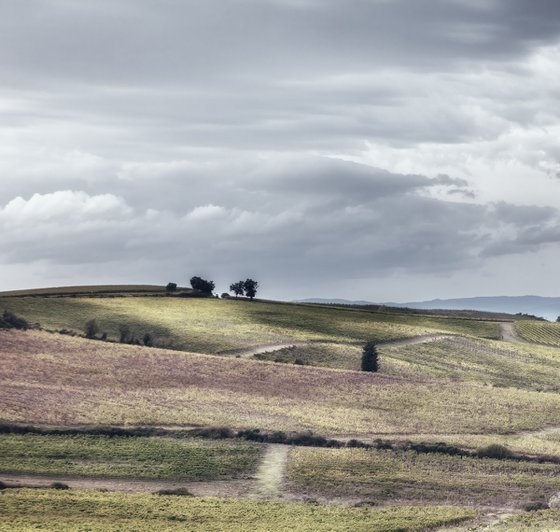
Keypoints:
(171, 287)
(250, 286)
(202, 285)
(238, 288)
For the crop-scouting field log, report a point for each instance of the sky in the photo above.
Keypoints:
(389, 150)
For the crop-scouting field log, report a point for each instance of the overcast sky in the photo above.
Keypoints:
(390, 150)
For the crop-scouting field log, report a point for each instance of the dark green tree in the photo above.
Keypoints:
(237, 288)
(370, 359)
(250, 286)
(171, 287)
(202, 285)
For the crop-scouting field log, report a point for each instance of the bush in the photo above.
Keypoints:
(3, 486)
(10, 321)
(225, 295)
(60, 486)
(535, 506)
(124, 334)
(495, 450)
(181, 492)
(215, 433)
(148, 340)
(91, 329)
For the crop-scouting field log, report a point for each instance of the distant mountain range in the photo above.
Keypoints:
(547, 307)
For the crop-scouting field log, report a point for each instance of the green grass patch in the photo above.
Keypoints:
(470, 359)
(117, 457)
(543, 520)
(213, 326)
(25, 509)
(407, 476)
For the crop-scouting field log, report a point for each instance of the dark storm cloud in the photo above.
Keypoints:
(159, 41)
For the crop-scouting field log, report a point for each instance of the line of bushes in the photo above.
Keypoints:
(305, 439)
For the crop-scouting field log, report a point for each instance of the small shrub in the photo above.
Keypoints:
(3, 486)
(299, 362)
(277, 437)
(60, 486)
(215, 433)
(495, 450)
(10, 321)
(92, 329)
(148, 340)
(124, 334)
(180, 492)
(535, 506)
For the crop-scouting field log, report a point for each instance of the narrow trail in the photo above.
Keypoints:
(486, 522)
(424, 339)
(509, 334)
(271, 472)
(261, 349)
(272, 348)
(215, 488)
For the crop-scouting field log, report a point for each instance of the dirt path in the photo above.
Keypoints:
(271, 472)
(509, 334)
(272, 348)
(217, 488)
(486, 522)
(260, 349)
(416, 340)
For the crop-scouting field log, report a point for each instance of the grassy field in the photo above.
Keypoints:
(540, 332)
(116, 457)
(55, 379)
(213, 326)
(459, 358)
(543, 520)
(55, 510)
(86, 290)
(431, 478)
(483, 361)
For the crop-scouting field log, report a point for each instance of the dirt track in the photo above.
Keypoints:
(508, 333)
(218, 488)
(271, 471)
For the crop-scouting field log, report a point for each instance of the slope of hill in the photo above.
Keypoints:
(427, 428)
(215, 326)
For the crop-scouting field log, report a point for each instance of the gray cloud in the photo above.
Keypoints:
(160, 137)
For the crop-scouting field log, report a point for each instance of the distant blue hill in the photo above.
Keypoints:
(547, 307)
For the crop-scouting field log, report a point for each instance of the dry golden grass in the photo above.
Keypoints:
(49, 378)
